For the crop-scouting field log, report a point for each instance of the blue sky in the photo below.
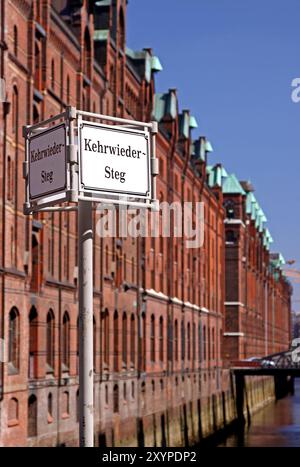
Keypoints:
(232, 62)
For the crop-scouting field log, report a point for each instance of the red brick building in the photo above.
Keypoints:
(164, 314)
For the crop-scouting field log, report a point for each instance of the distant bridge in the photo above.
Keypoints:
(275, 364)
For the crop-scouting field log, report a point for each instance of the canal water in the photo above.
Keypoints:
(276, 425)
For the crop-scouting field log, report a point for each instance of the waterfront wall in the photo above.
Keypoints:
(187, 418)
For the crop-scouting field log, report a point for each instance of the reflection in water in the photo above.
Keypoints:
(277, 425)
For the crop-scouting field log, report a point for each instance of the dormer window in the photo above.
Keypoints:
(229, 207)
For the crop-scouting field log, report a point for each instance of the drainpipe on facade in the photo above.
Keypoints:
(5, 107)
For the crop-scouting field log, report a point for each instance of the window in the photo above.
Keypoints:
(161, 339)
(199, 343)
(124, 339)
(15, 111)
(16, 41)
(87, 54)
(106, 338)
(33, 335)
(32, 417)
(50, 341)
(189, 341)
(213, 343)
(132, 340)
(229, 207)
(152, 339)
(116, 342)
(14, 339)
(65, 405)
(66, 340)
(204, 343)
(182, 341)
(13, 412)
(176, 340)
(121, 30)
(116, 399)
(50, 408)
(230, 236)
(38, 66)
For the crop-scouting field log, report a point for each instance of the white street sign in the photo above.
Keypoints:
(47, 162)
(115, 160)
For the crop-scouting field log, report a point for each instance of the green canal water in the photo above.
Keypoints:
(277, 425)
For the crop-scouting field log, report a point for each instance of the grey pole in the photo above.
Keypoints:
(86, 364)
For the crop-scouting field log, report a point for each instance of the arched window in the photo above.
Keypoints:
(32, 417)
(132, 341)
(13, 411)
(152, 339)
(116, 399)
(66, 340)
(15, 41)
(124, 340)
(176, 340)
(33, 335)
(161, 339)
(189, 341)
(50, 341)
(116, 341)
(14, 339)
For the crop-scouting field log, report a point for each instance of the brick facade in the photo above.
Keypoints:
(160, 322)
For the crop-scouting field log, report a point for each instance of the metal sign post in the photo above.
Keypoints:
(69, 160)
(86, 352)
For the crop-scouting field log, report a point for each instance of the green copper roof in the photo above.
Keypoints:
(217, 176)
(165, 105)
(184, 124)
(231, 185)
(156, 65)
(193, 122)
(150, 63)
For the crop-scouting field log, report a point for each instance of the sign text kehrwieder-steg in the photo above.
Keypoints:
(47, 162)
(114, 160)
